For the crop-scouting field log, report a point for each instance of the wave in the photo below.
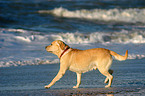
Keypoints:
(11, 37)
(121, 15)
(38, 61)
(122, 37)
(103, 37)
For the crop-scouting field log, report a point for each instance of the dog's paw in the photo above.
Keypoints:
(107, 86)
(106, 80)
(75, 86)
(46, 87)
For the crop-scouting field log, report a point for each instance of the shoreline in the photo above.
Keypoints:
(117, 91)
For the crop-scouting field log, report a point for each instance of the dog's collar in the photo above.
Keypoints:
(64, 52)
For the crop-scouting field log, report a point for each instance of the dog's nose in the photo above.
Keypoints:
(45, 47)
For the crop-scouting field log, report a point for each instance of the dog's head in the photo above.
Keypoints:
(56, 47)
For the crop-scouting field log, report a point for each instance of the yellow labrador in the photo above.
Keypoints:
(81, 61)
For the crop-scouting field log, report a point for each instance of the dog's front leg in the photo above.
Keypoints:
(57, 77)
(78, 80)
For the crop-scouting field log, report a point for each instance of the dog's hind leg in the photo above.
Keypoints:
(110, 80)
(103, 67)
(78, 80)
(107, 79)
(108, 75)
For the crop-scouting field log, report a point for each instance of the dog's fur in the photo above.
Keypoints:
(81, 61)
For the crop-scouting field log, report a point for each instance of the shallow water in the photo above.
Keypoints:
(128, 75)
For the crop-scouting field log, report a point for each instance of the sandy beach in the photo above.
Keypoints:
(28, 26)
(122, 91)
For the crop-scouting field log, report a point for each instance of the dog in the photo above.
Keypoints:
(81, 61)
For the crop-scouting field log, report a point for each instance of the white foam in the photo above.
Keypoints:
(36, 61)
(25, 39)
(103, 37)
(14, 30)
(136, 56)
(75, 38)
(125, 15)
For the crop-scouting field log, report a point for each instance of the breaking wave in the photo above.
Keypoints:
(30, 62)
(72, 38)
(121, 15)
(102, 37)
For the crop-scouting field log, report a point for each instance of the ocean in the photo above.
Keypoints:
(27, 26)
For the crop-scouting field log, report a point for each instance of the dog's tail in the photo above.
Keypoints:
(119, 57)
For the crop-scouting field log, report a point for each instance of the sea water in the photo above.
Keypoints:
(27, 26)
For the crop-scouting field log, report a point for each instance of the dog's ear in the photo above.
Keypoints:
(63, 45)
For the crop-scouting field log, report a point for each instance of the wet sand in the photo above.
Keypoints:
(98, 91)
(121, 91)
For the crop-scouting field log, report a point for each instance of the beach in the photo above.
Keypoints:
(30, 80)
(28, 26)
(133, 91)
